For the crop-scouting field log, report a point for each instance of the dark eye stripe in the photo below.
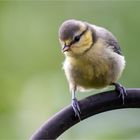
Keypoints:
(77, 38)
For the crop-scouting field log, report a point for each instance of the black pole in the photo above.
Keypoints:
(89, 106)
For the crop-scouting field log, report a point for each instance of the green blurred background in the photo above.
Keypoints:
(32, 84)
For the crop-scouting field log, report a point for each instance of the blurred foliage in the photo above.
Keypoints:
(33, 86)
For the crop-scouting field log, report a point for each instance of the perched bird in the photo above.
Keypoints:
(93, 58)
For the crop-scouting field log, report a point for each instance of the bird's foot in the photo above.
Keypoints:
(76, 108)
(122, 91)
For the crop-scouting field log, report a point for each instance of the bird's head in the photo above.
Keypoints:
(75, 37)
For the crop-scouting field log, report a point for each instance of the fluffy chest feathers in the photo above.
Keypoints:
(87, 71)
(97, 68)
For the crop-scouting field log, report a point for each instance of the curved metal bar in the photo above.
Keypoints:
(89, 106)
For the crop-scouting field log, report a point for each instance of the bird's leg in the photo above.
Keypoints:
(75, 104)
(122, 91)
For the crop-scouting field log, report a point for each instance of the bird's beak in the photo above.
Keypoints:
(65, 48)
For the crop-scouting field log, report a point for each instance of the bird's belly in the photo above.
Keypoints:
(97, 74)
(88, 77)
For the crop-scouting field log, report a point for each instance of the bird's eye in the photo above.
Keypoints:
(77, 38)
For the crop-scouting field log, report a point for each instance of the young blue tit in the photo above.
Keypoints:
(93, 58)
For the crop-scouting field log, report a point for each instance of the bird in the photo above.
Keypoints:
(93, 59)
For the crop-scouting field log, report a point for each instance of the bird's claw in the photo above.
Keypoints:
(122, 91)
(76, 108)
